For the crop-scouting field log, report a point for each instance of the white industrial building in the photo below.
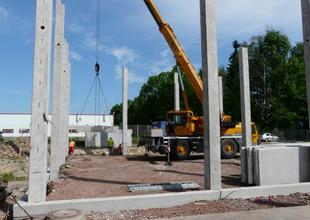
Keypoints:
(18, 124)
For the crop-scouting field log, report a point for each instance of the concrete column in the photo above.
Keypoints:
(221, 94)
(245, 97)
(176, 92)
(64, 118)
(211, 95)
(305, 8)
(40, 96)
(56, 110)
(125, 111)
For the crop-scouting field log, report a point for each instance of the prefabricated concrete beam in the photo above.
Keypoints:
(40, 97)
(305, 8)
(56, 160)
(176, 92)
(125, 111)
(211, 95)
(141, 202)
(245, 97)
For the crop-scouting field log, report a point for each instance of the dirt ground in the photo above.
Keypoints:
(96, 176)
(100, 176)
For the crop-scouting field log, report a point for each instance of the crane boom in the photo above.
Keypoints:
(180, 55)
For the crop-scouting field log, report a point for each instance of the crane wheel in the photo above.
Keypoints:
(229, 148)
(180, 151)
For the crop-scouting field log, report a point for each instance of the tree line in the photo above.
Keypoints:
(277, 87)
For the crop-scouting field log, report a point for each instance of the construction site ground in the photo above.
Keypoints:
(90, 176)
(100, 176)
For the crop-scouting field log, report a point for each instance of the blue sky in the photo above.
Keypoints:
(129, 37)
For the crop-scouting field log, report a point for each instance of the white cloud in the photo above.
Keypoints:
(3, 13)
(162, 63)
(132, 76)
(75, 56)
(233, 17)
(14, 92)
(124, 55)
(76, 28)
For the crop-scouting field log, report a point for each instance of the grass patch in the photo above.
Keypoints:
(9, 177)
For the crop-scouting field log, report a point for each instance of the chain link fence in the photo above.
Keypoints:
(139, 131)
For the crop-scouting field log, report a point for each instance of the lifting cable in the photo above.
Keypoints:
(96, 83)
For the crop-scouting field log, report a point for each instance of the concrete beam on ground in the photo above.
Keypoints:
(245, 97)
(211, 95)
(125, 111)
(114, 204)
(221, 94)
(305, 9)
(176, 92)
(40, 97)
(56, 110)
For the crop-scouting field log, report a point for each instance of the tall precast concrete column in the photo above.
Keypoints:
(305, 9)
(64, 118)
(40, 97)
(245, 97)
(211, 95)
(176, 92)
(125, 111)
(221, 94)
(56, 110)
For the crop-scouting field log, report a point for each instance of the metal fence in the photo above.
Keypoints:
(139, 131)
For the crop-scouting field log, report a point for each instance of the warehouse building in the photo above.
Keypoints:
(18, 124)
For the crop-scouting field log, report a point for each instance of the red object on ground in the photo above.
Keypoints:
(71, 147)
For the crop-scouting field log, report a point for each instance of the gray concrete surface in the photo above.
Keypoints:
(291, 213)
(176, 92)
(40, 97)
(221, 94)
(245, 97)
(64, 117)
(56, 110)
(156, 200)
(305, 9)
(211, 95)
(281, 165)
(125, 111)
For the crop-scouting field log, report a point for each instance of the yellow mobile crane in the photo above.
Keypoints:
(184, 129)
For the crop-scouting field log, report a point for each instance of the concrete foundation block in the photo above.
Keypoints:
(282, 165)
(244, 170)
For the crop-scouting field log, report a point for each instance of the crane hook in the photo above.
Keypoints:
(97, 68)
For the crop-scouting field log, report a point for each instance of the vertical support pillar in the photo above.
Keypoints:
(245, 97)
(68, 95)
(40, 96)
(176, 92)
(56, 109)
(63, 104)
(125, 111)
(211, 95)
(221, 94)
(305, 9)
